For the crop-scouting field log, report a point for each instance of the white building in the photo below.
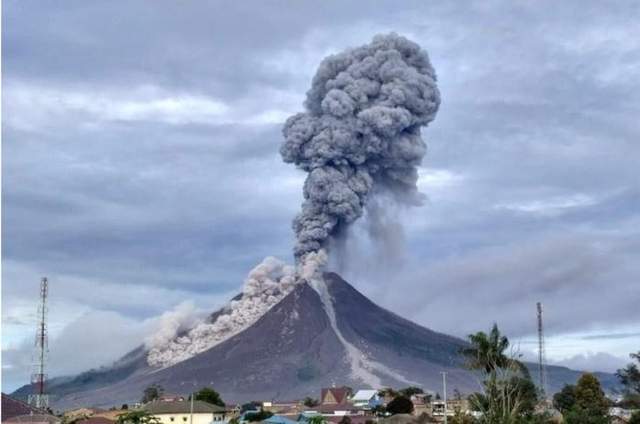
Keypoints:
(180, 412)
(366, 399)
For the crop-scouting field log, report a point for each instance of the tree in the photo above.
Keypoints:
(388, 392)
(207, 394)
(152, 393)
(310, 402)
(124, 406)
(488, 352)
(316, 419)
(460, 417)
(139, 416)
(635, 418)
(410, 391)
(400, 405)
(258, 416)
(250, 406)
(379, 410)
(591, 406)
(565, 399)
(629, 376)
(589, 395)
(509, 395)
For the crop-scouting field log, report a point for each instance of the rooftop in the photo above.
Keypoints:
(182, 407)
(12, 407)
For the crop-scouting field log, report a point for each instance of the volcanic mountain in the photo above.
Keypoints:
(293, 350)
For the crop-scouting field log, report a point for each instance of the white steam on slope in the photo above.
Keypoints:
(265, 286)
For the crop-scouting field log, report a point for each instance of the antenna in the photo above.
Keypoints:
(542, 368)
(39, 399)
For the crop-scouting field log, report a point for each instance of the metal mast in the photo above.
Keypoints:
(39, 399)
(542, 369)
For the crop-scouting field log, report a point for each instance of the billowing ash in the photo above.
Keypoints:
(359, 136)
(265, 286)
(360, 133)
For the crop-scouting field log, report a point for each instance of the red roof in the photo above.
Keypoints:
(13, 407)
(339, 395)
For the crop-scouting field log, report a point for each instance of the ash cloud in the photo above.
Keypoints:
(360, 134)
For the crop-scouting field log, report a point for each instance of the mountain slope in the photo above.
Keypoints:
(291, 352)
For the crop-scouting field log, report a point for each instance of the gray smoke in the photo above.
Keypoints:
(360, 134)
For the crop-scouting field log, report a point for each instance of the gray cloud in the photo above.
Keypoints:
(137, 141)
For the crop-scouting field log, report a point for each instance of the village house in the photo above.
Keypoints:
(180, 412)
(366, 399)
(334, 395)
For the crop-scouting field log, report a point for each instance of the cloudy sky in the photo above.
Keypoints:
(140, 168)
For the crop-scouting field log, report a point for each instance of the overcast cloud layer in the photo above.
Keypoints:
(140, 167)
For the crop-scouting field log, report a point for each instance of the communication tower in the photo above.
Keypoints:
(39, 398)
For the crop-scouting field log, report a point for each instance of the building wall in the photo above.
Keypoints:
(198, 418)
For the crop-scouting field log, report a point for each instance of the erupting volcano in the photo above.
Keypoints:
(296, 328)
(358, 137)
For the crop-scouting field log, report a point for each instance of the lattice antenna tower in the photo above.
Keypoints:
(39, 398)
(542, 359)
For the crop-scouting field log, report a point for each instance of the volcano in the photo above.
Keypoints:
(292, 351)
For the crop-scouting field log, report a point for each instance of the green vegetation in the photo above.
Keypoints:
(152, 393)
(509, 395)
(410, 391)
(310, 402)
(258, 416)
(635, 418)
(388, 392)
(345, 420)
(584, 403)
(629, 376)
(250, 406)
(400, 405)
(316, 419)
(207, 394)
(564, 400)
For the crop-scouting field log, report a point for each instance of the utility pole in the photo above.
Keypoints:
(444, 390)
(191, 409)
(39, 399)
(542, 371)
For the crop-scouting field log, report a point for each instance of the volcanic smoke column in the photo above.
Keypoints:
(360, 134)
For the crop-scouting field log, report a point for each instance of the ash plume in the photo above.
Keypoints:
(359, 134)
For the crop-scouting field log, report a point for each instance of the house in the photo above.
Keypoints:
(17, 411)
(334, 395)
(180, 412)
(366, 399)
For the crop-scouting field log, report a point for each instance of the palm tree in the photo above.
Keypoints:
(488, 352)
